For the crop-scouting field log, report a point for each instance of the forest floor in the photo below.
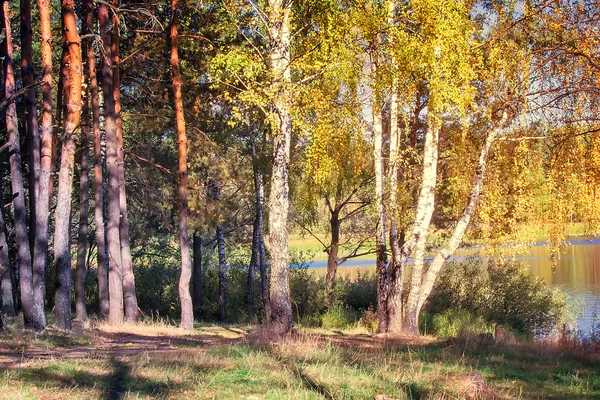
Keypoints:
(233, 362)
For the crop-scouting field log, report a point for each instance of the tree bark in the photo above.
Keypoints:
(16, 177)
(31, 122)
(102, 272)
(381, 270)
(280, 55)
(222, 274)
(198, 292)
(40, 251)
(62, 236)
(430, 276)
(262, 254)
(187, 311)
(7, 286)
(115, 272)
(332, 258)
(132, 313)
(84, 195)
(256, 235)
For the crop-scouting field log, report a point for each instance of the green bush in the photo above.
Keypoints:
(453, 323)
(504, 293)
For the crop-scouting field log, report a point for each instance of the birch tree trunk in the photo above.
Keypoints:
(31, 121)
(280, 39)
(115, 272)
(187, 308)
(198, 293)
(62, 250)
(459, 230)
(381, 270)
(132, 313)
(102, 272)
(42, 214)
(222, 274)
(16, 178)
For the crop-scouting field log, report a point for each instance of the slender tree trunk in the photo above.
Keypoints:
(262, 255)
(16, 177)
(115, 272)
(102, 274)
(31, 122)
(7, 288)
(198, 293)
(424, 213)
(84, 197)
(222, 274)
(132, 313)
(251, 277)
(64, 85)
(279, 52)
(380, 240)
(187, 311)
(332, 259)
(428, 278)
(40, 251)
(62, 236)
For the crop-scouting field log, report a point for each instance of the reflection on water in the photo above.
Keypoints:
(577, 272)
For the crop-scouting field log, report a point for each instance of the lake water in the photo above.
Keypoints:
(577, 272)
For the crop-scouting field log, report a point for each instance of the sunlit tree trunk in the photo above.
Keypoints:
(16, 177)
(31, 122)
(62, 236)
(381, 270)
(102, 272)
(198, 292)
(262, 253)
(280, 55)
(40, 251)
(333, 256)
(187, 312)
(222, 274)
(115, 273)
(132, 313)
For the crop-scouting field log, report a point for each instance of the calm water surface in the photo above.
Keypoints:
(577, 272)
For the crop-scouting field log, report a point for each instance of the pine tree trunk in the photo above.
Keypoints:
(31, 122)
(102, 272)
(332, 258)
(62, 236)
(115, 272)
(84, 198)
(198, 293)
(40, 251)
(280, 41)
(7, 287)
(187, 312)
(16, 177)
(222, 274)
(132, 313)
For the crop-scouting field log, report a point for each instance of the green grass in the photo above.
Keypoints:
(308, 365)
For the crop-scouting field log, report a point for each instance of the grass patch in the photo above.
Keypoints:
(310, 364)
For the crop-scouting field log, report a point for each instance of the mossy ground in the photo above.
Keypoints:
(140, 362)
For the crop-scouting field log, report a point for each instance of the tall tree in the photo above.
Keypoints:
(187, 309)
(280, 56)
(102, 270)
(198, 292)
(129, 297)
(40, 251)
(62, 234)
(31, 121)
(16, 177)
(115, 271)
